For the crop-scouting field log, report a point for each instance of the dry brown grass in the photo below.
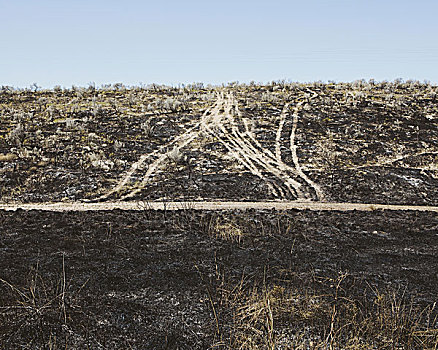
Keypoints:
(285, 317)
(226, 230)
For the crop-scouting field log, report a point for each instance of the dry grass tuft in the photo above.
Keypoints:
(226, 230)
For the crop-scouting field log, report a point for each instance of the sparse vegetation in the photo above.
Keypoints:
(292, 318)
(356, 140)
(255, 279)
(224, 280)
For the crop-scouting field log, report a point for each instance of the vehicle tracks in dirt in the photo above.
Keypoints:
(223, 121)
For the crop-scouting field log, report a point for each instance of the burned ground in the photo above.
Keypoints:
(359, 142)
(191, 279)
(186, 279)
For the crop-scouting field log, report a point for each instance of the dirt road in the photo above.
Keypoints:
(212, 205)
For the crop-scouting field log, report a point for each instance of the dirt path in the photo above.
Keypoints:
(212, 205)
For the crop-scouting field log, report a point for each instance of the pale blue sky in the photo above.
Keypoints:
(57, 42)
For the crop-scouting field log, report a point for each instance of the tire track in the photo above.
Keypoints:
(242, 146)
(293, 149)
(189, 134)
(270, 163)
(267, 162)
(186, 138)
(216, 121)
(393, 160)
